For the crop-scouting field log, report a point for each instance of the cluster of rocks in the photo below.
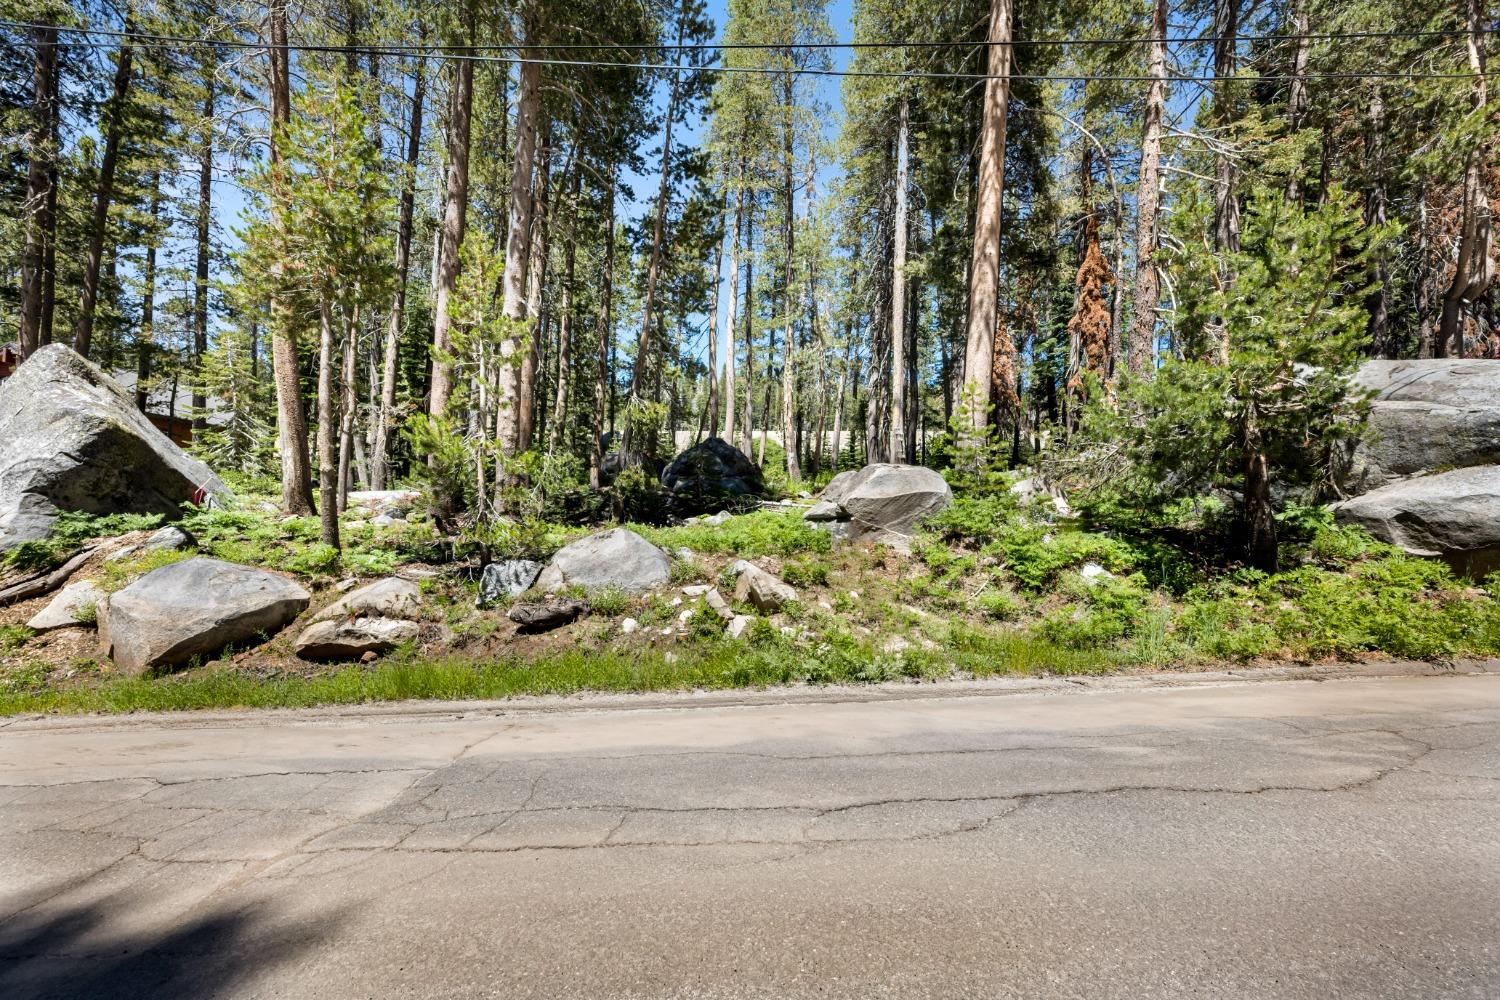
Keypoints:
(383, 508)
(882, 503)
(1426, 476)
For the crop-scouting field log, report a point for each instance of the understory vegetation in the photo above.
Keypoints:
(999, 583)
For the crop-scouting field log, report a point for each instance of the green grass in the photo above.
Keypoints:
(763, 533)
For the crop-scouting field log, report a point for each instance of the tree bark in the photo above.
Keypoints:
(348, 407)
(603, 326)
(1297, 101)
(745, 441)
(897, 446)
(1378, 301)
(1142, 339)
(731, 326)
(296, 466)
(327, 464)
(713, 339)
(380, 450)
(204, 232)
(455, 218)
(83, 328)
(517, 259)
(1474, 268)
(146, 333)
(984, 273)
(1260, 518)
(565, 330)
(788, 342)
(1226, 203)
(40, 182)
(536, 306)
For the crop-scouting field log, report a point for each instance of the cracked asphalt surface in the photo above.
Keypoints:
(1265, 840)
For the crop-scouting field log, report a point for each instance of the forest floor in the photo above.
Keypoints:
(996, 586)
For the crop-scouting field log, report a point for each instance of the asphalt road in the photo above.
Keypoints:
(1265, 840)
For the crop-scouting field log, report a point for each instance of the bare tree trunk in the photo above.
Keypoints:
(733, 319)
(838, 413)
(296, 467)
(1142, 339)
(897, 446)
(1378, 301)
(984, 273)
(348, 406)
(565, 332)
(788, 343)
(653, 270)
(83, 328)
(536, 290)
(147, 330)
(603, 326)
(513, 283)
(745, 443)
(1296, 104)
(1474, 269)
(327, 463)
(1226, 203)
(713, 339)
(455, 217)
(40, 182)
(200, 271)
(1260, 518)
(380, 456)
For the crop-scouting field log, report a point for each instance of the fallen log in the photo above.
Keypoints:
(45, 582)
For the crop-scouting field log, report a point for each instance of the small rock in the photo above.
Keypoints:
(763, 590)
(542, 616)
(738, 625)
(417, 573)
(122, 553)
(667, 631)
(169, 539)
(740, 565)
(344, 586)
(346, 640)
(686, 615)
(392, 597)
(895, 644)
(370, 656)
(824, 605)
(1093, 572)
(382, 520)
(823, 510)
(854, 595)
(75, 604)
(717, 519)
(696, 589)
(715, 600)
(684, 555)
(507, 579)
(628, 626)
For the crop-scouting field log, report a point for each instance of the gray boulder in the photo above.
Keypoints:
(506, 579)
(768, 593)
(882, 501)
(170, 538)
(1455, 515)
(1439, 413)
(194, 608)
(76, 604)
(707, 474)
(541, 616)
(616, 558)
(392, 597)
(72, 439)
(348, 640)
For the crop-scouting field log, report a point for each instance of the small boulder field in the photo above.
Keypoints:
(166, 596)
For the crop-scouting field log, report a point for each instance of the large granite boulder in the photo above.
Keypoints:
(882, 500)
(1427, 415)
(350, 639)
(72, 439)
(1455, 515)
(192, 609)
(392, 597)
(616, 558)
(709, 473)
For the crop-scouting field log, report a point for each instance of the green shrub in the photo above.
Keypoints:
(71, 530)
(314, 560)
(806, 573)
(1035, 555)
(14, 637)
(763, 533)
(611, 602)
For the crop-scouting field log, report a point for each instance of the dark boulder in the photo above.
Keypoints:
(72, 439)
(709, 473)
(542, 616)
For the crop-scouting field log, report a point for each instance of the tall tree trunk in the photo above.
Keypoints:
(536, 290)
(513, 283)
(653, 270)
(1474, 268)
(603, 327)
(204, 231)
(1260, 518)
(1297, 101)
(1226, 203)
(713, 339)
(455, 218)
(1142, 339)
(296, 465)
(731, 327)
(145, 335)
(838, 413)
(749, 427)
(1378, 301)
(984, 272)
(788, 343)
(348, 406)
(565, 330)
(40, 182)
(897, 446)
(83, 329)
(380, 456)
(327, 462)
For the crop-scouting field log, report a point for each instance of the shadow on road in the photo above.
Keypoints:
(74, 953)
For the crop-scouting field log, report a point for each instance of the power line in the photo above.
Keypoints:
(466, 53)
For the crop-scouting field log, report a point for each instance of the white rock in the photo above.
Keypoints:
(738, 625)
(763, 590)
(715, 600)
(628, 626)
(392, 597)
(697, 589)
(1092, 573)
(347, 640)
(69, 608)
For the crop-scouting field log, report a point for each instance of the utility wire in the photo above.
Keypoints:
(459, 54)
